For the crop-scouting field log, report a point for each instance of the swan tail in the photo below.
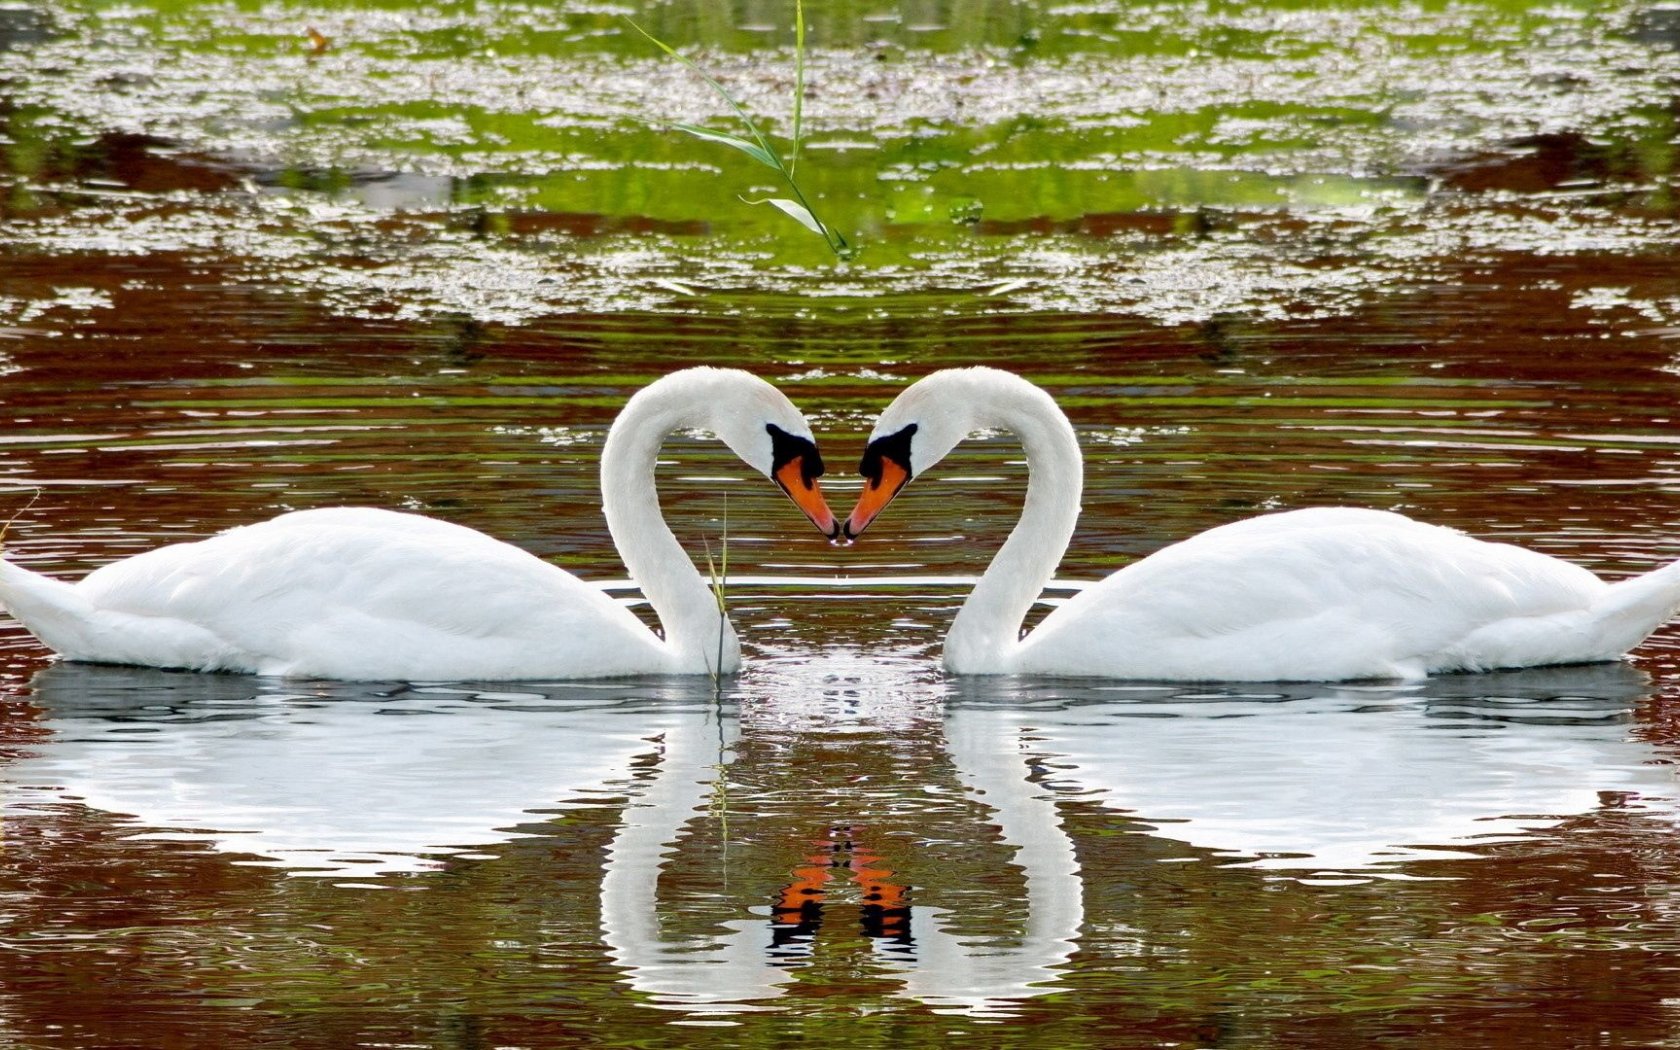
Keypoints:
(51, 610)
(1621, 617)
(61, 616)
(1631, 609)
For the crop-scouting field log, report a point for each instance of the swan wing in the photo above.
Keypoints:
(1321, 594)
(357, 593)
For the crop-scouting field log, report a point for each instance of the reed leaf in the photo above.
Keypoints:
(758, 146)
(797, 210)
(723, 93)
(751, 149)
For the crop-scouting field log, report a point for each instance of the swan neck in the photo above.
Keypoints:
(681, 598)
(986, 635)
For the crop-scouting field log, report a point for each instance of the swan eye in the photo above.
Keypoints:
(895, 446)
(785, 448)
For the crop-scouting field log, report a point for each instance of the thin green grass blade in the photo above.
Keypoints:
(712, 571)
(751, 149)
(722, 583)
(740, 111)
(798, 81)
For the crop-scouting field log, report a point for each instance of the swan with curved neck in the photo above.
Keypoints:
(1323, 594)
(359, 593)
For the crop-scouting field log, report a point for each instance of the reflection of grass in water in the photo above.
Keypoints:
(759, 147)
(718, 807)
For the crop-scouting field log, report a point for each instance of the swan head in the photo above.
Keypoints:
(922, 425)
(760, 425)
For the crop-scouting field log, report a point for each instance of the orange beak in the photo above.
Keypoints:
(876, 495)
(807, 496)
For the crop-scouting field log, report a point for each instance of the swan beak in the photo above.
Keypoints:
(877, 493)
(807, 495)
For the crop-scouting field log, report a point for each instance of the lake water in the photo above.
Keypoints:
(1408, 256)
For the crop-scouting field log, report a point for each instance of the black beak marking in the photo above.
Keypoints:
(785, 448)
(895, 447)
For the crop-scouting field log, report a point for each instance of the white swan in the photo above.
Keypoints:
(359, 593)
(1325, 594)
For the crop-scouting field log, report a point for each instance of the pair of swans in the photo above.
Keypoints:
(1324, 594)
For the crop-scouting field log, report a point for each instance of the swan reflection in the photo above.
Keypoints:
(848, 883)
(337, 778)
(341, 779)
(978, 976)
(823, 804)
(1341, 777)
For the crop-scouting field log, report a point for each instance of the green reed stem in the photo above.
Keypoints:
(759, 146)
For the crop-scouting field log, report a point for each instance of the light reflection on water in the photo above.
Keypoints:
(1381, 255)
(360, 783)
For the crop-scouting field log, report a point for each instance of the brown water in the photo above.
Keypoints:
(1414, 258)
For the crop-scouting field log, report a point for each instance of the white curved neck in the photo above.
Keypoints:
(987, 631)
(680, 596)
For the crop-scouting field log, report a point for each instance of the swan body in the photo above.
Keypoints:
(361, 594)
(1332, 594)
(1324, 594)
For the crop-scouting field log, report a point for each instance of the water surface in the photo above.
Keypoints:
(1417, 257)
